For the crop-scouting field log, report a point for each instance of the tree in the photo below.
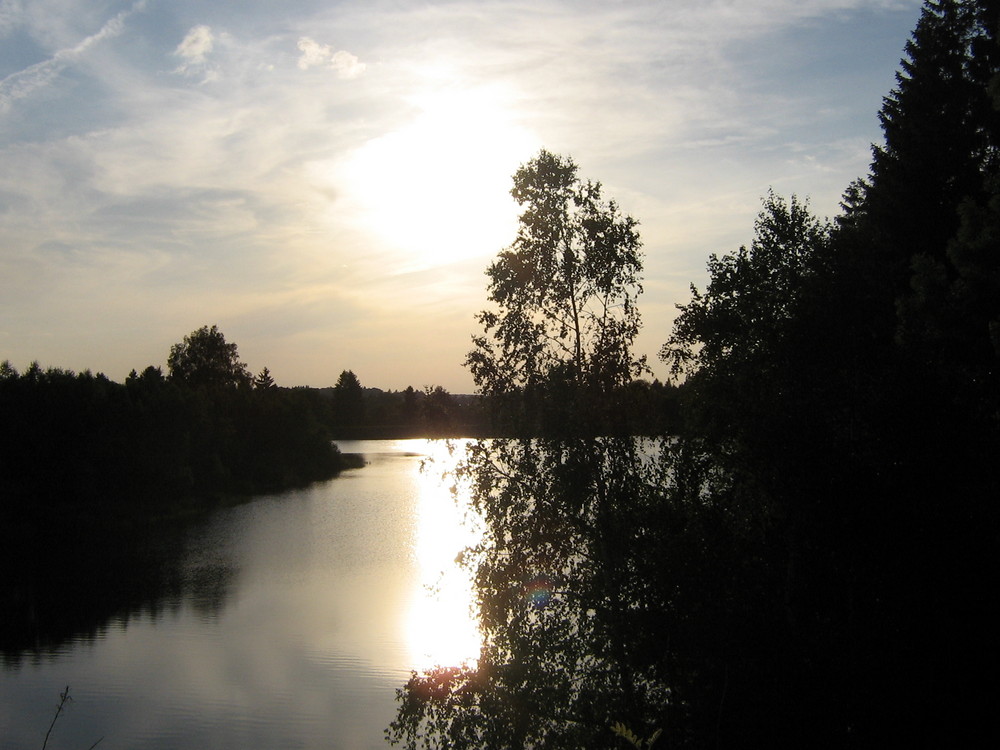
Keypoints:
(205, 359)
(263, 381)
(940, 144)
(563, 617)
(844, 424)
(564, 292)
(928, 161)
(753, 294)
(410, 409)
(438, 409)
(348, 401)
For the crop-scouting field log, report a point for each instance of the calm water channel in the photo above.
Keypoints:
(297, 618)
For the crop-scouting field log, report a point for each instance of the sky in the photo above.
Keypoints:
(328, 181)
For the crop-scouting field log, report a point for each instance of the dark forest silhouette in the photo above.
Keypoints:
(810, 559)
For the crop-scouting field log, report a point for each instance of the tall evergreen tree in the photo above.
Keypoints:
(348, 402)
(934, 144)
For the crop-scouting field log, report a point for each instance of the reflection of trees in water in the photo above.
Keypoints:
(609, 592)
(72, 578)
(569, 636)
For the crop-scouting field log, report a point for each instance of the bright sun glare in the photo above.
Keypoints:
(437, 189)
(441, 626)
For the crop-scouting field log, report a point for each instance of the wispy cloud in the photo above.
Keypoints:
(194, 48)
(10, 12)
(22, 83)
(315, 54)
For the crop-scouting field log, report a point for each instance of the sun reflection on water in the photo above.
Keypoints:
(442, 628)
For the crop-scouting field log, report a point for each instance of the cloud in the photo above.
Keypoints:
(22, 83)
(312, 53)
(315, 54)
(347, 65)
(10, 11)
(196, 45)
(194, 50)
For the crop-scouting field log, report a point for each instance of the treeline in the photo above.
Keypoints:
(352, 411)
(812, 559)
(206, 429)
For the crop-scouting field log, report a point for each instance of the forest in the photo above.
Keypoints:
(808, 558)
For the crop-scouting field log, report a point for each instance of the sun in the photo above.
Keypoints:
(436, 190)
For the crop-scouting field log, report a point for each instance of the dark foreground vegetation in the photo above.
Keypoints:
(811, 559)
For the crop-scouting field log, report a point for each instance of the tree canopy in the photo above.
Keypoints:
(205, 359)
(564, 313)
(566, 288)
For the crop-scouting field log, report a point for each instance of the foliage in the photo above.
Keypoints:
(438, 409)
(82, 441)
(809, 560)
(565, 292)
(263, 380)
(205, 359)
(627, 734)
(753, 296)
(567, 635)
(348, 402)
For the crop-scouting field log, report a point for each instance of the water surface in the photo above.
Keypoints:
(296, 619)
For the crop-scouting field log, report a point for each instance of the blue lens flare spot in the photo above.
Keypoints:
(538, 592)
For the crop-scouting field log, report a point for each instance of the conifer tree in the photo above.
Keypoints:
(941, 137)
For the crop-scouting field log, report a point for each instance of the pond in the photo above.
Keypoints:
(292, 621)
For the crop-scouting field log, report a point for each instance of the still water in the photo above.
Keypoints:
(299, 616)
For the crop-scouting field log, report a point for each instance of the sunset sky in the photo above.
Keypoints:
(327, 181)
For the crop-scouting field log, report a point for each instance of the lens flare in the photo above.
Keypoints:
(538, 592)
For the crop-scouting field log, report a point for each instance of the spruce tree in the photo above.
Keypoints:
(934, 140)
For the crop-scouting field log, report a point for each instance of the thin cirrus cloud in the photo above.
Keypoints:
(22, 83)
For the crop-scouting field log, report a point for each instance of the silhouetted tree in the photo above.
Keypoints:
(564, 294)
(205, 359)
(841, 422)
(438, 409)
(348, 402)
(410, 407)
(263, 381)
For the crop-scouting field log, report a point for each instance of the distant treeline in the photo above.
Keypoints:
(354, 412)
